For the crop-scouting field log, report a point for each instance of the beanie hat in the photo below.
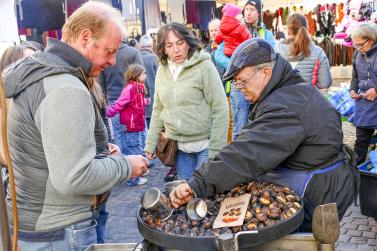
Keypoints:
(231, 10)
(146, 41)
(252, 52)
(257, 4)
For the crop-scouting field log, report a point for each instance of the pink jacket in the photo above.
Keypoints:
(131, 107)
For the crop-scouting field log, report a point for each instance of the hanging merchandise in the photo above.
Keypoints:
(73, 5)
(152, 15)
(207, 11)
(340, 13)
(43, 15)
(192, 12)
(312, 23)
(176, 11)
(8, 22)
(140, 10)
(268, 19)
(129, 10)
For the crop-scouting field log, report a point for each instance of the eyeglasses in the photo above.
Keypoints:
(359, 46)
(243, 84)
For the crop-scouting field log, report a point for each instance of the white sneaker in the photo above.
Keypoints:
(137, 182)
(142, 181)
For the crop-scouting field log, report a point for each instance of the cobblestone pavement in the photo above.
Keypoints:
(358, 232)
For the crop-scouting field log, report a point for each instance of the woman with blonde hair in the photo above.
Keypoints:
(307, 58)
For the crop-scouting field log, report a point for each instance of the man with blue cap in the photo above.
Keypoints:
(293, 138)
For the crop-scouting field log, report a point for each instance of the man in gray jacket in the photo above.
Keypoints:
(58, 141)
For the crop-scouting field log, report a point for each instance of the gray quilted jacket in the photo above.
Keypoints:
(305, 65)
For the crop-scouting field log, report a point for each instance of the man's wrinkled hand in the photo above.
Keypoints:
(114, 149)
(354, 95)
(139, 165)
(181, 195)
(370, 95)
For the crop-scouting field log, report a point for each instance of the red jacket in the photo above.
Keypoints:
(233, 33)
(131, 106)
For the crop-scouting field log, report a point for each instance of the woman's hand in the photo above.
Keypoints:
(370, 95)
(150, 156)
(181, 195)
(354, 95)
(114, 149)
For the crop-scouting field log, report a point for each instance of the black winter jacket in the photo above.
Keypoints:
(292, 125)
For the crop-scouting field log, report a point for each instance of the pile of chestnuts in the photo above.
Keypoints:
(269, 205)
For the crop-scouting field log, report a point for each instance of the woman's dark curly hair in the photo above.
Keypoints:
(182, 32)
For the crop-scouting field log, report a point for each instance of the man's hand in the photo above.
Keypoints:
(181, 195)
(354, 95)
(370, 95)
(150, 156)
(139, 165)
(114, 149)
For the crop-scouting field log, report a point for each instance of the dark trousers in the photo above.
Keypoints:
(363, 138)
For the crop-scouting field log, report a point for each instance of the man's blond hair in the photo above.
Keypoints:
(94, 16)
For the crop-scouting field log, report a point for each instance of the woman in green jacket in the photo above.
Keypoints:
(190, 103)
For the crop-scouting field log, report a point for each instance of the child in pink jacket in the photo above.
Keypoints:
(131, 107)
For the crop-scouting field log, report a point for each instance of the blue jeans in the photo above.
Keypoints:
(133, 143)
(101, 219)
(119, 136)
(77, 237)
(134, 146)
(188, 162)
(240, 111)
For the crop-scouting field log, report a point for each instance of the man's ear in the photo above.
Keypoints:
(85, 37)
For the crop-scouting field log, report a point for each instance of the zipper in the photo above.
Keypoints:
(132, 121)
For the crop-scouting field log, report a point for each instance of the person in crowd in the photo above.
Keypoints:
(14, 53)
(112, 82)
(131, 107)
(190, 103)
(10, 56)
(65, 179)
(252, 14)
(285, 142)
(232, 32)
(240, 107)
(150, 61)
(304, 56)
(214, 28)
(363, 87)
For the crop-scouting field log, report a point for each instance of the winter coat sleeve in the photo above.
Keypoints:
(219, 38)
(156, 125)
(66, 122)
(355, 78)
(220, 57)
(243, 34)
(216, 99)
(262, 146)
(269, 37)
(120, 103)
(324, 73)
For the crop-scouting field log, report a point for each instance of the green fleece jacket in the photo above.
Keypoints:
(193, 107)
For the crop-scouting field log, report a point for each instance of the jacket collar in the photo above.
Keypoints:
(71, 56)
(371, 50)
(282, 75)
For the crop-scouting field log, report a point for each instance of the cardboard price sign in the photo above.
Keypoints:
(232, 211)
